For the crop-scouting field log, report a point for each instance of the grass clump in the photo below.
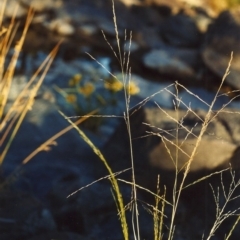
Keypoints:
(181, 174)
(11, 119)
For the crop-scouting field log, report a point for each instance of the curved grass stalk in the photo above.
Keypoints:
(113, 180)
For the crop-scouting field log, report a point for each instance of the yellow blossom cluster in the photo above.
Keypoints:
(114, 85)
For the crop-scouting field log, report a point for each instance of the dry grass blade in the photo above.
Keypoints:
(51, 140)
(28, 102)
(8, 76)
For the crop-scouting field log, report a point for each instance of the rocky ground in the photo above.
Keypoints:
(171, 41)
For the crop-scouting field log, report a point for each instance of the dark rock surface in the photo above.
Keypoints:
(173, 61)
(23, 215)
(180, 31)
(60, 236)
(221, 39)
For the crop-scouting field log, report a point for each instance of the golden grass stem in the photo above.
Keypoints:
(7, 78)
(113, 180)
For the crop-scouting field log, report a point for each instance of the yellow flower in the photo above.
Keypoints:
(132, 88)
(113, 85)
(71, 98)
(75, 80)
(87, 89)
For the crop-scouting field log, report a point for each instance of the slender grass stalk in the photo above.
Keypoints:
(123, 60)
(233, 227)
(126, 78)
(174, 209)
(113, 180)
(205, 124)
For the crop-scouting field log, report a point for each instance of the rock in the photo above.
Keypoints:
(21, 213)
(210, 154)
(88, 29)
(10, 6)
(173, 62)
(211, 8)
(60, 236)
(164, 6)
(148, 37)
(202, 22)
(206, 158)
(221, 39)
(144, 16)
(42, 5)
(180, 31)
(61, 26)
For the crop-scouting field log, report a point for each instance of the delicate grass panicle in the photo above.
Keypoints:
(179, 183)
